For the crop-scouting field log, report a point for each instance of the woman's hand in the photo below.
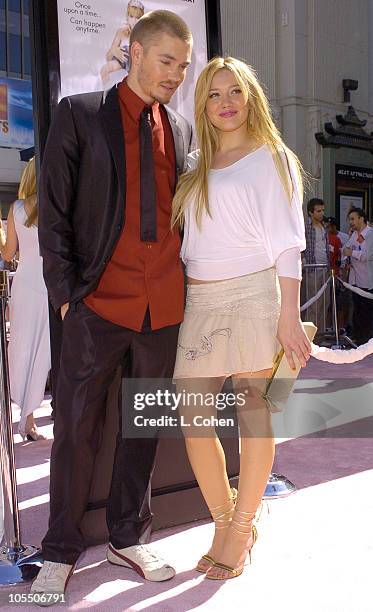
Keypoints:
(290, 330)
(120, 55)
(291, 335)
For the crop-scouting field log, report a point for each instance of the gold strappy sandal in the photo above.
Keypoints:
(242, 522)
(222, 520)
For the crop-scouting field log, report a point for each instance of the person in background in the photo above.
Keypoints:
(335, 254)
(316, 252)
(29, 346)
(343, 237)
(355, 249)
(369, 253)
(334, 244)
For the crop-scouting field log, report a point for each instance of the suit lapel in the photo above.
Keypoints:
(180, 145)
(111, 119)
(112, 122)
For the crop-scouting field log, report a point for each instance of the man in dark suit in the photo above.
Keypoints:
(111, 265)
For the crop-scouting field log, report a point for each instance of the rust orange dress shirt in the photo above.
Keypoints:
(142, 274)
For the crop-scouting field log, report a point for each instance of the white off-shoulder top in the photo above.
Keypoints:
(252, 227)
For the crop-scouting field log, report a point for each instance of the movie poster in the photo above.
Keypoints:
(16, 124)
(94, 39)
(346, 202)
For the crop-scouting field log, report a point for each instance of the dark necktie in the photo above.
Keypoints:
(148, 204)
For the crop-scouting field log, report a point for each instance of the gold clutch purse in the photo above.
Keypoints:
(282, 380)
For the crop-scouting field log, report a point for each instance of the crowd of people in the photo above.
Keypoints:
(118, 183)
(350, 257)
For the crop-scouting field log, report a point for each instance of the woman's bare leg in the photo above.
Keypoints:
(207, 458)
(31, 429)
(30, 423)
(256, 460)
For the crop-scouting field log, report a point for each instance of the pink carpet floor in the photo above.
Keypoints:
(315, 548)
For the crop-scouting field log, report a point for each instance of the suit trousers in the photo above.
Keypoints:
(92, 350)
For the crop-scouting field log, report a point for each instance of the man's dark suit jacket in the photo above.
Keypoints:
(82, 191)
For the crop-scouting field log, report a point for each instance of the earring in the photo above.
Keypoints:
(251, 117)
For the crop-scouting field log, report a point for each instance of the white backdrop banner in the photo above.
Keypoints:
(94, 37)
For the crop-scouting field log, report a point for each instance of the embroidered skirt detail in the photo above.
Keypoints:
(229, 326)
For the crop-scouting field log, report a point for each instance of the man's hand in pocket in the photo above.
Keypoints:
(64, 309)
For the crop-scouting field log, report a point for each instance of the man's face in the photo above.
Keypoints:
(318, 213)
(356, 222)
(161, 68)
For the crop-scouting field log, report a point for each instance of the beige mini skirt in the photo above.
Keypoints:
(229, 326)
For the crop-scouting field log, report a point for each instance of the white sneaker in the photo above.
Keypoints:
(143, 560)
(51, 581)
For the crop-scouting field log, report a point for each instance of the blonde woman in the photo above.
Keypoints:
(29, 347)
(241, 208)
(117, 57)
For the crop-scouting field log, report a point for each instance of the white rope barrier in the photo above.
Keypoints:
(316, 296)
(357, 290)
(340, 356)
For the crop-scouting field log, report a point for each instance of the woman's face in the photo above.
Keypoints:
(133, 15)
(225, 106)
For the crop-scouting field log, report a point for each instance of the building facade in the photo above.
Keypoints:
(303, 51)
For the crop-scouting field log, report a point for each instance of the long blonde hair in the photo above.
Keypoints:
(27, 191)
(260, 125)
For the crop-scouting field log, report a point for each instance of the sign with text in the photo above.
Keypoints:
(354, 173)
(16, 124)
(94, 43)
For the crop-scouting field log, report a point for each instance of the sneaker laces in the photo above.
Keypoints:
(53, 574)
(148, 556)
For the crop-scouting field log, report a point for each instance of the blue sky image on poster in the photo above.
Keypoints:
(16, 123)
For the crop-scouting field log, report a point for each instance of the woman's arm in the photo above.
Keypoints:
(8, 243)
(281, 224)
(290, 332)
(115, 52)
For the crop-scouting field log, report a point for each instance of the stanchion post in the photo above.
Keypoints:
(334, 305)
(278, 486)
(18, 563)
(8, 471)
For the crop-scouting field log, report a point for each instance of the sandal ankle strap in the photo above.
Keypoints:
(223, 519)
(232, 498)
(242, 520)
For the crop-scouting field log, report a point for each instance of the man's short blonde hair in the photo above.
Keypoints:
(156, 23)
